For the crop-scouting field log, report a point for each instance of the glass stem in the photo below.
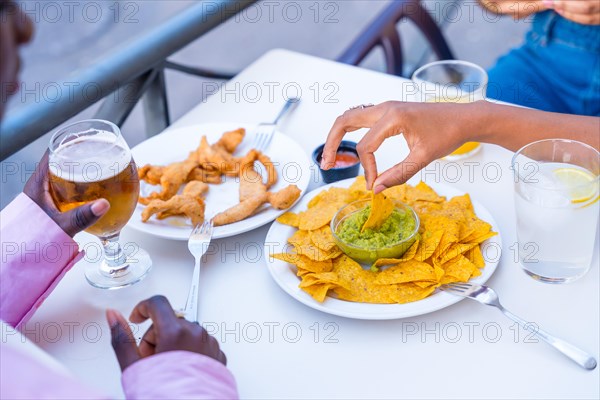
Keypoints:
(115, 259)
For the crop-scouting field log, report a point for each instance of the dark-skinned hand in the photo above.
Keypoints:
(72, 221)
(167, 333)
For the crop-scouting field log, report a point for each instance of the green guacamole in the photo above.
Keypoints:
(399, 226)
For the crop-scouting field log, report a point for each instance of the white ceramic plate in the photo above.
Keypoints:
(290, 160)
(285, 274)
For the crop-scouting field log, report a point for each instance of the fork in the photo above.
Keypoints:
(197, 244)
(265, 130)
(488, 296)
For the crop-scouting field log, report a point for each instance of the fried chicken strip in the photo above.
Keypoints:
(281, 200)
(284, 199)
(251, 182)
(230, 141)
(240, 211)
(253, 194)
(190, 203)
(206, 176)
(151, 173)
(173, 176)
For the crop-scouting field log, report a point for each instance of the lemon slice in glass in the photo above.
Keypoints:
(581, 184)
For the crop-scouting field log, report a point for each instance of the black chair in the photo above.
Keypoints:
(382, 32)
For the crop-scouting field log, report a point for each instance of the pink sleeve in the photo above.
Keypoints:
(178, 375)
(25, 377)
(36, 254)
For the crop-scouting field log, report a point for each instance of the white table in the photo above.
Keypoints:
(467, 350)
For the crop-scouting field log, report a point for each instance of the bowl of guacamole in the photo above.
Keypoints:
(391, 240)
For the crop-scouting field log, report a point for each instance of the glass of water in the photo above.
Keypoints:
(557, 204)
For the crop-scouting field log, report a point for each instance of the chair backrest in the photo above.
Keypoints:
(382, 32)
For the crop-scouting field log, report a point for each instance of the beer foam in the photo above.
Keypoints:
(89, 158)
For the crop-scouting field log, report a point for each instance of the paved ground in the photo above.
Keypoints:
(71, 35)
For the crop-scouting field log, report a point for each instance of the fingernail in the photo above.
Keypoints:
(100, 207)
(548, 3)
(111, 317)
(379, 188)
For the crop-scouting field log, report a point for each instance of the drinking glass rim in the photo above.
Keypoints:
(520, 151)
(115, 129)
(455, 62)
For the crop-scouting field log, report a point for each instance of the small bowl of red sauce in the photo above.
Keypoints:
(347, 163)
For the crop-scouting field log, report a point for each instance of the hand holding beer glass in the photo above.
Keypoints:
(90, 160)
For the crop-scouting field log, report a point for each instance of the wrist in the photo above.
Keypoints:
(469, 124)
(480, 122)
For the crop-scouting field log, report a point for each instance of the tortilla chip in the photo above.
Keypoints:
(463, 202)
(318, 291)
(291, 258)
(321, 277)
(316, 254)
(335, 195)
(317, 217)
(300, 238)
(409, 255)
(474, 255)
(381, 208)
(429, 242)
(427, 284)
(323, 238)
(457, 270)
(480, 239)
(407, 271)
(359, 187)
(424, 192)
(289, 218)
(479, 228)
(455, 250)
(409, 292)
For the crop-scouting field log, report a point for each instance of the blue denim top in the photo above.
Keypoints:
(548, 26)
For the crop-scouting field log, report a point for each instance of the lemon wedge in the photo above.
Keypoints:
(581, 184)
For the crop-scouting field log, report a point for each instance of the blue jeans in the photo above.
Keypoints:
(556, 69)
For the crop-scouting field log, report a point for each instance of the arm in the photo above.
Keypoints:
(514, 127)
(434, 130)
(36, 254)
(37, 245)
(517, 8)
(175, 359)
(178, 375)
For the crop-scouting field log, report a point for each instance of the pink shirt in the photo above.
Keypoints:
(36, 254)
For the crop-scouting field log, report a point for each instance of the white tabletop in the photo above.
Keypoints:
(279, 348)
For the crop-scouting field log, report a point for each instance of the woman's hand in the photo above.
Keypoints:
(167, 333)
(432, 131)
(585, 12)
(72, 221)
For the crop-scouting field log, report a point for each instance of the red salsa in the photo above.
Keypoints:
(345, 159)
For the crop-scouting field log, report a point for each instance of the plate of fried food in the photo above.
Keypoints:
(211, 170)
(347, 252)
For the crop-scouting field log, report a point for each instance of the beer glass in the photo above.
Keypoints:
(452, 81)
(90, 160)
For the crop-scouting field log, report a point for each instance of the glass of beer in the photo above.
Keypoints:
(90, 160)
(452, 81)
